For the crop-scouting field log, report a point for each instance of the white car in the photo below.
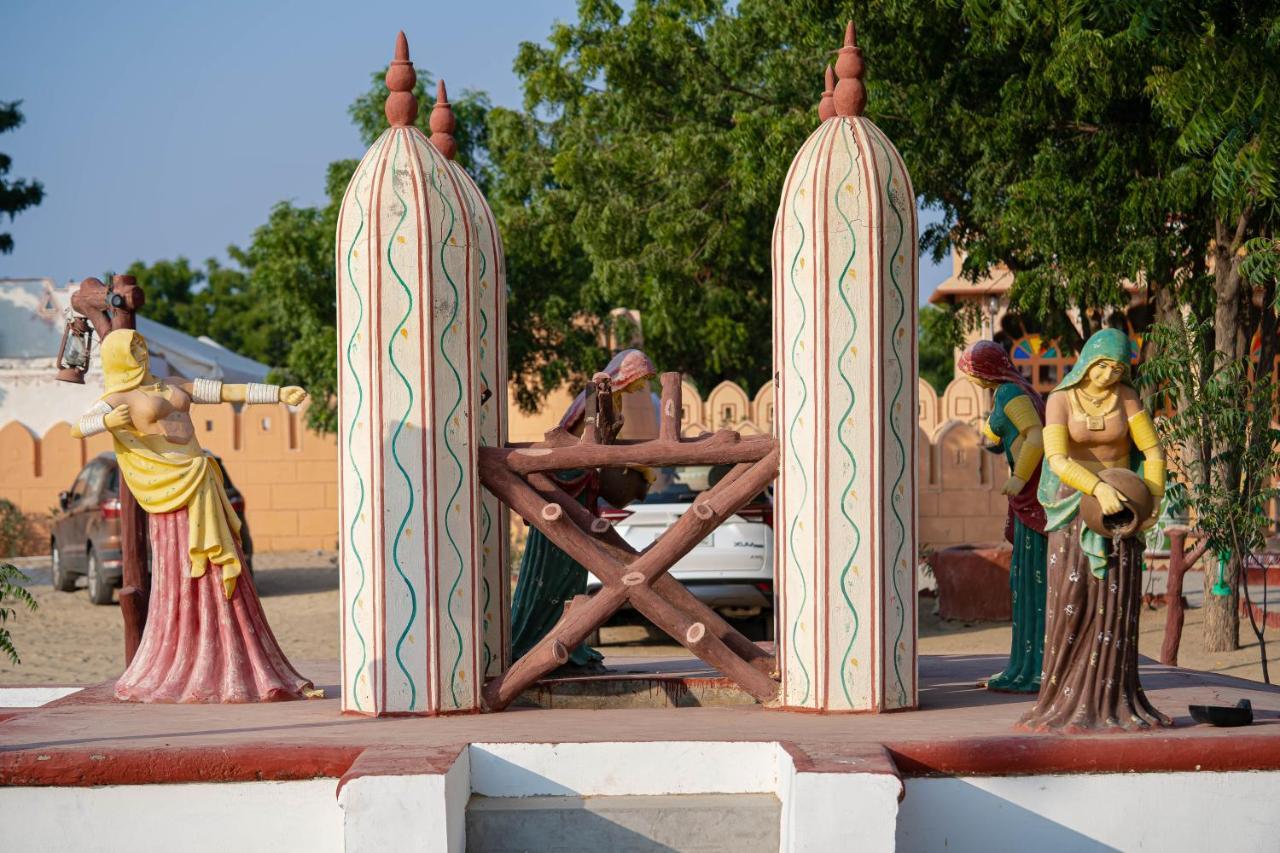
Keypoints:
(732, 569)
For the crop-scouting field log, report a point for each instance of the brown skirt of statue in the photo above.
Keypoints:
(1090, 677)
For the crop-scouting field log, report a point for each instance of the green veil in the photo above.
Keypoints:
(1112, 345)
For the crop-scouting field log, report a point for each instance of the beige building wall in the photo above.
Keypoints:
(288, 474)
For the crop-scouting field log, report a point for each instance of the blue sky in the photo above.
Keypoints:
(167, 129)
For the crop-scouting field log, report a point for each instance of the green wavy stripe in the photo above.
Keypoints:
(355, 469)
(486, 517)
(448, 445)
(893, 425)
(804, 399)
(395, 437)
(844, 418)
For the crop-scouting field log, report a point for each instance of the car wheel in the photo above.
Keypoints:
(62, 580)
(99, 587)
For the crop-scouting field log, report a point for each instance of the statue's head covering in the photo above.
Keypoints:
(1109, 344)
(988, 360)
(125, 361)
(623, 369)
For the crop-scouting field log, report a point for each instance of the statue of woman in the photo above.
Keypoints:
(548, 576)
(1014, 428)
(1094, 421)
(206, 638)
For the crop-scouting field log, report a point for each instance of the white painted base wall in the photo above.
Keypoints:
(215, 818)
(33, 697)
(1133, 811)
(819, 811)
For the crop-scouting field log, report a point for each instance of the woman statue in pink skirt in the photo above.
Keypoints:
(207, 639)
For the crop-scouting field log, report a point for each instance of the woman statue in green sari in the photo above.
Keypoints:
(1014, 428)
(1094, 421)
(548, 576)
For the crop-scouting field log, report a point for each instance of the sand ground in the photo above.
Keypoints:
(71, 641)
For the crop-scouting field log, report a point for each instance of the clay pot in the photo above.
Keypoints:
(1138, 505)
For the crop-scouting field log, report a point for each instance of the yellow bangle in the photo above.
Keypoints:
(1021, 413)
(1028, 458)
(1079, 477)
(1143, 432)
(1057, 440)
(1153, 474)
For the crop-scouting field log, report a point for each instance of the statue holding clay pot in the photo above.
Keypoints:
(1100, 485)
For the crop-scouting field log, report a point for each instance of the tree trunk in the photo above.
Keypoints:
(1231, 341)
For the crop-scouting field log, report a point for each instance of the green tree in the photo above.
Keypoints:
(16, 195)
(939, 338)
(1217, 86)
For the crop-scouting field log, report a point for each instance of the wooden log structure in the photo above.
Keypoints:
(518, 476)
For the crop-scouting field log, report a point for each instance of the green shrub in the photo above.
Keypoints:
(17, 533)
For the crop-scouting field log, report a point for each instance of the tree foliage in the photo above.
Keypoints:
(12, 593)
(16, 195)
(939, 338)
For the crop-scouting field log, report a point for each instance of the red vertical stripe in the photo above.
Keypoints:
(380, 574)
(419, 209)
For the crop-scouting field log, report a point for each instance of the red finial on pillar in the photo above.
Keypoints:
(826, 106)
(850, 94)
(401, 107)
(443, 124)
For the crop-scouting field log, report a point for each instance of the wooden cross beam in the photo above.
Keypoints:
(519, 477)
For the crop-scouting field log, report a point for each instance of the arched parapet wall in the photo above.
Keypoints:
(962, 401)
(930, 413)
(763, 404)
(727, 404)
(693, 420)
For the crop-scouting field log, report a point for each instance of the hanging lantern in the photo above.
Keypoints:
(73, 352)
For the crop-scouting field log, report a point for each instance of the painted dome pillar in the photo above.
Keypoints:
(489, 285)
(409, 385)
(845, 295)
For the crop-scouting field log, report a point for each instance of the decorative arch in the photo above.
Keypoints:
(726, 405)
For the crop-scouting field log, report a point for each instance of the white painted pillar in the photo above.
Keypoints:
(845, 292)
(409, 383)
(489, 284)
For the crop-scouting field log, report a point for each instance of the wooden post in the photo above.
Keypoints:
(109, 309)
(672, 403)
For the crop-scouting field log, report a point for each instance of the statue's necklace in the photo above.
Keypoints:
(1096, 420)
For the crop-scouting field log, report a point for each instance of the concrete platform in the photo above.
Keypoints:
(87, 738)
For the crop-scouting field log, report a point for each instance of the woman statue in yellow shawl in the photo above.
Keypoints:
(1094, 421)
(206, 639)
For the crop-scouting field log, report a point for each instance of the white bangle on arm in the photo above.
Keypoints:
(206, 391)
(91, 423)
(256, 392)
